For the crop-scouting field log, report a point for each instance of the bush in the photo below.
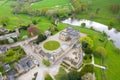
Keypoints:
(87, 69)
(83, 24)
(115, 8)
(40, 38)
(87, 58)
(92, 15)
(4, 41)
(91, 28)
(118, 18)
(32, 30)
(46, 62)
(100, 52)
(111, 24)
(48, 77)
(117, 50)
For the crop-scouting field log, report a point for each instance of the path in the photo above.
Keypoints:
(102, 67)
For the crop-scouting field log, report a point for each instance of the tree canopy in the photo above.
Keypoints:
(87, 41)
(100, 52)
(32, 30)
(87, 44)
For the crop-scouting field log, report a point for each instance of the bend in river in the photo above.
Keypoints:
(112, 34)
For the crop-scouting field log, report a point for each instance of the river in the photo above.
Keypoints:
(112, 34)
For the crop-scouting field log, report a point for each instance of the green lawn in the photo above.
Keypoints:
(14, 20)
(111, 61)
(51, 45)
(104, 16)
(22, 19)
(50, 4)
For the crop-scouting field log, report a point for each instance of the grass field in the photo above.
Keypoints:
(14, 20)
(111, 61)
(50, 4)
(104, 16)
(22, 19)
(51, 45)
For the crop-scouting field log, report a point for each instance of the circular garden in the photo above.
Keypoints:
(51, 45)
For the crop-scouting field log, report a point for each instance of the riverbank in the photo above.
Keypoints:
(112, 33)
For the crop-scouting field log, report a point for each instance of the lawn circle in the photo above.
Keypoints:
(51, 45)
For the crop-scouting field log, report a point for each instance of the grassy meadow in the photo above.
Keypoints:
(104, 16)
(50, 4)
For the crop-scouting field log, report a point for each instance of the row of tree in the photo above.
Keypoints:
(75, 75)
(26, 9)
(78, 6)
(87, 46)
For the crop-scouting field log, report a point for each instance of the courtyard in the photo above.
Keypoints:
(51, 45)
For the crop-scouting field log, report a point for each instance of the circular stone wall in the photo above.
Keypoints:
(51, 45)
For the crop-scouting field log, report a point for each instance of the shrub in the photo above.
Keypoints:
(92, 15)
(87, 69)
(48, 77)
(83, 24)
(46, 62)
(115, 8)
(118, 18)
(40, 38)
(32, 30)
(100, 52)
(111, 24)
(91, 28)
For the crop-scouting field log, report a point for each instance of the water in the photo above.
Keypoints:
(112, 34)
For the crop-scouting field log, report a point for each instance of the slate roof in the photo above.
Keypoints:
(6, 67)
(72, 31)
(3, 49)
(24, 64)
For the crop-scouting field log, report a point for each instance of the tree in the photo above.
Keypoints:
(53, 27)
(100, 52)
(87, 44)
(61, 75)
(40, 38)
(32, 30)
(115, 8)
(78, 6)
(87, 40)
(97, 10)
(87, 69)
(10, 52)
(74, 75)
(118, 18)
(83, 24)
(117, 50)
